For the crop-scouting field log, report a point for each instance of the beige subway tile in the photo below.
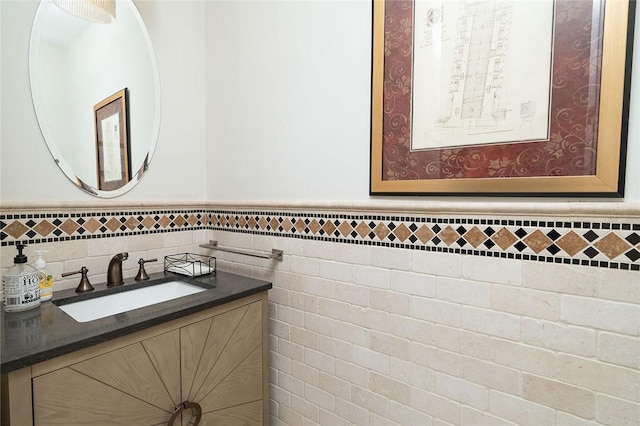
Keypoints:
(390, 388)
(435, 311)
(317, 249)
(317, 286)
(281, 396)
(348, 332)
(411, 328)
(306, 338)
(351, 253)
(435, 406)
(566, 419)
(390, 258)
(370, 276)
(615, 411)
(618, 285)
(469, 416)
(290, 350)
(317, 396)
(448, 338)
(559, 337)
(436, 359)
(305, 372)
(334, 385)
(416, 375)
(290, 383)
(307, 410)
(474, 344)
(523, 357)
(303, 301)
(568, 279)
(354, 414)
(480, 268)
(558, 395)
(318, 324)
(56, 252)
(464, 292)
(371, 401)
(526, 302)
(406, 416)
(328, 418)
(289, 417)
(413, 283)
(600, 377)
(371, 318)
(618, 349)
(390, 345)
(491, 375)
(520, 411)
(351, 293)
(278, 295)
(304, 266)
(335, 347)
(337, 271)
(389, 301)
(279, 363)
(433, 263)
(370, 359)
(489, 322)
(378, 420)
(290, 315)
(601, 314)
(462, 391)
(288, 280)
(174, 239)
(319, 360)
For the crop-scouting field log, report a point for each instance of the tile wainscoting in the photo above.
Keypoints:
(405, 318)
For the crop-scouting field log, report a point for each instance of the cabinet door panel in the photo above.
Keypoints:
(192, 343)
(247, 336)
(68, 398)
(130, 370)
(164, 353)
(220, 331)
(242, 385)
(240, 415)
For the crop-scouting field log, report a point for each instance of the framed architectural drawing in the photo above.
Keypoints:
(112, 141)
(500, 97)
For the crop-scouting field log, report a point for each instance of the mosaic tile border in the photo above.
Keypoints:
(596, 244)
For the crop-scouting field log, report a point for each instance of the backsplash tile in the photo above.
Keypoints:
(596, 244)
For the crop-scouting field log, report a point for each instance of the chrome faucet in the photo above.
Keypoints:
(114, 272)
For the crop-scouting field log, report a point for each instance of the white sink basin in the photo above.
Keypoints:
(104, 306)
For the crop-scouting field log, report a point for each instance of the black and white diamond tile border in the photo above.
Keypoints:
(596, 244)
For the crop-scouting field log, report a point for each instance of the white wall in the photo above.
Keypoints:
(292, 81)
(177, 172)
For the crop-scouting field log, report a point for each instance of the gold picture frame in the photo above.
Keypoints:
(591, 165)
(112, 141)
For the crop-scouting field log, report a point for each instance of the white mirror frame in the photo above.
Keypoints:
(37, 91)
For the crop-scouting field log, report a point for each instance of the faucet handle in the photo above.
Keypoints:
(142, 274)
(84, 285)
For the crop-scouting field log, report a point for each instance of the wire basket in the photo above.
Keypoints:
(189, 264)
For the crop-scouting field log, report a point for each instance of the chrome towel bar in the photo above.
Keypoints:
(275, 253)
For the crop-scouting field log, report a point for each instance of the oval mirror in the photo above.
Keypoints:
(96, 94)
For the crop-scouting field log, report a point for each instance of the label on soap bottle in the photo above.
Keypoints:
(21, 292)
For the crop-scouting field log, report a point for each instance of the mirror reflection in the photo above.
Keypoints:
(96, 93)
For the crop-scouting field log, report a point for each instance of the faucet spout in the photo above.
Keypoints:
(114, 272)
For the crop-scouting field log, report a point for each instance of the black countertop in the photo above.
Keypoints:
(46, 332)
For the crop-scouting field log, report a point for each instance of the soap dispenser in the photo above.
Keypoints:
(20, 284)
(46, 279)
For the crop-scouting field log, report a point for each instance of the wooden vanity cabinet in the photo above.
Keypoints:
(216, 358)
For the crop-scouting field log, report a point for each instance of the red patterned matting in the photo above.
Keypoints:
(571, 148)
